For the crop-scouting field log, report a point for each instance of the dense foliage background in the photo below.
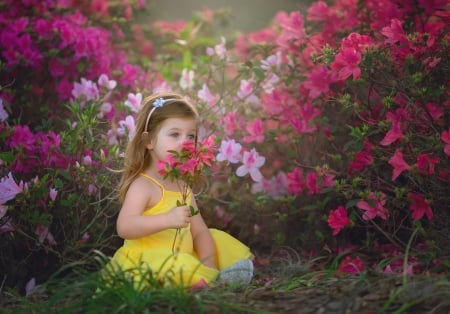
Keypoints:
(332, 124)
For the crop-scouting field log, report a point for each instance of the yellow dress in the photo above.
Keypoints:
(179, 266)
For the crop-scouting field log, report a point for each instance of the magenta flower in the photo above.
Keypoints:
(419, 206)
(425, 163)
(394, 33)
(318, 81)
(338, 219)
(351, 265)
(22, 137)
(361, 160)
(296, 183)
(251, 162)
(256, 131)
(186, 166)
(292, 27)
(395, 133)
(229, 151)
(318, 11)
(312, 184)
(375, 206)
(92, 189)
(445, 137)
(346, 64)
(9, 188)
(398, 163)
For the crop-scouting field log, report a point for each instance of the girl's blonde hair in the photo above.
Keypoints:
(137, 157)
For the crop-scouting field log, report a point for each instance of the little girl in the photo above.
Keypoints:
(149, 217)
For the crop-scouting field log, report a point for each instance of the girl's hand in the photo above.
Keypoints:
(179, 217)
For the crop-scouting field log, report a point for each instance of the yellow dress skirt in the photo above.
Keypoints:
(169, 257)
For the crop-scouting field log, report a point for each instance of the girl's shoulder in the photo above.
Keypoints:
(146, 186)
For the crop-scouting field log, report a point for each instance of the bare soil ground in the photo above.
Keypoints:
(320, 293)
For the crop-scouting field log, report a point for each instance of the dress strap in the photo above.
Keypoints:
(152, 179)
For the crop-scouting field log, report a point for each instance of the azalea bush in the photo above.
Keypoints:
(336, 125)
(332, 127)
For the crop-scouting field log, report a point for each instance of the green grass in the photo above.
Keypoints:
(282, 285)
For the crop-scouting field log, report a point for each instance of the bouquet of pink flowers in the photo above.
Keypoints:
(187, 165)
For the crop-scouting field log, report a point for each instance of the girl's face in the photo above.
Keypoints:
(172, 134)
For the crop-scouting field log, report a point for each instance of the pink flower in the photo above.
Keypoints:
(231, 123)
(104, 81)
(425, 163)
(246, 91)
(292, 29)
(395, 133)
(3, 113)
(311, 183)
(419, 206)
(134, 102)
(318, 11)
(445, 137)
(22, 137)
(296, 183)
(346, 64)
(52, 194)
(275, 187)
(338, 219)
(375, 206)
(256, 131)
(398, 163)
(127, 126)
(361, 160)
(87, 160)
(189, 167)
(435, 112)
(3, 209)
(201, 284)
(394, 33)
(86, 89)
(205, 95)
(92, 189)
(187, 79)
(8, 189)
(229, 151)
(43, 234)
(252, 161)
(220, 50)
(7, 227)
(351, 265)
(272, 62)
(318, 81)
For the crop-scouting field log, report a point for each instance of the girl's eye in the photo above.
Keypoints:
(174, 134)
(191, 137)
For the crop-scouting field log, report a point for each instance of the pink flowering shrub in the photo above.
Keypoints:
(334, 122)
(56, 153)
(332, 126)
